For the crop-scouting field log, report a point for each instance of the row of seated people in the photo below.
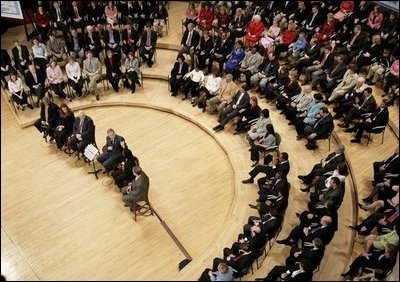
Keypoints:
(64, 15)
(73, 134)
(378, 231)
(259, 229)
(317, 224)
(76, 72)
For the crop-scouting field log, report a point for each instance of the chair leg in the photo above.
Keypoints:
(383, 135)
(369, 137)
(329, 146)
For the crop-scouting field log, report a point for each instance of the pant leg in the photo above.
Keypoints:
(112, 159)
(255, 80)
(213, 103)
(299, 125)
(361, 128)
(103, 157)
(229, 116)
(73, 143)
(38, 125)
(129, 199)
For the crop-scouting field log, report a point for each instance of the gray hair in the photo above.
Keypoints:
(341, 147)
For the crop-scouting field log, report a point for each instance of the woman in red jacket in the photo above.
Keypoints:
(288, 37)
(375, 20)
(206, 17)
(254, 30)
(326, 30)
(42, 23)
(346, 7)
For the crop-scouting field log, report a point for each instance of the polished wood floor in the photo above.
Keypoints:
(60, 223)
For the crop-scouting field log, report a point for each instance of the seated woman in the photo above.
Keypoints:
(259, 129)
(132, 72)
(16, 89)
(222, 19)
(346, 8)
(264, 143)
(42, 23)
(268, 38)
(236, 57)
(288, 37)
(209, 88)
(370, 53)
(124, 173)
(254, 30)
(326, 30)
(191, 14)
(56, 78)
(223, 272)
(238, 24)
(206, 17)
(273, 89)
(65, 127)
(251, 114)
(111, 13)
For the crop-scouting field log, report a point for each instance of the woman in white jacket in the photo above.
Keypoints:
(260, 127)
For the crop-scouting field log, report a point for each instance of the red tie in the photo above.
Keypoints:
(393, 217)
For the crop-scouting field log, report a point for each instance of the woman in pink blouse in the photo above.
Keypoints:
(269, 37)
(111, 13)
(56, 79)
(375, 19)
(191, 14)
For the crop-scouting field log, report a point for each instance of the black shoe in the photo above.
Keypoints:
(30, 106)
(248, 181)
(302, 177)
(253, 206)
(254, 164)
(355, 140)
(220, 128)
(184, 98)
(216, 127)
(51, 139)
(97, 97)
(236, 133)
(336, 116)
(311, 146)
(343, 125)
(307, 189)
(367, 200)
(352, 227)
(290, 123)
(284, 242)
(349, 130)
(298, 137)
(297, 214)
(361, 206)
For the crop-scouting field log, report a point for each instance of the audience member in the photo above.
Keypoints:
(49, 118)
(65, 126)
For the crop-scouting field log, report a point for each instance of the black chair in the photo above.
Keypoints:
(376, 130)
(328, 137)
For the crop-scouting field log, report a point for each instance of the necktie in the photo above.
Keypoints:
(58, 15)
(312, 19)
(266, 69)
(80, 126)
(20, 52)
(129, 37)
(148, 39)
(333, 71)
(76, 12)
(35, 76)
(364, 102)
(377, 114)
(240, 98)
(111, 40)
(180, 68)
(393, 217)
(46, 113)
(91, 68)
(353, 39)
(324, 59)
(189, 39)
(56, 46)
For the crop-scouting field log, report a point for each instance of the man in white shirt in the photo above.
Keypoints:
(73, 70)
(193, 79)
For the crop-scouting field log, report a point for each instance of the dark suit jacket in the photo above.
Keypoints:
(115, 68)
(318, 20)
(116, 146)
(314, 257)
(96, 41)
(195, 38)
(5, 59)
(140, 187)
(54, 114)
(134, 36)
(283, 167)
(393, 166)
(273, 68)
(224, 49)
(333, 161)
(53, 14)
(117, 37)
(70, 42)
(337, 70)
(324, 127)
(328, 62)
(359, 42)
(25, 54)
(292, 88)
(87, 128)
(153, 38)
(380, 117)
(270, 226)
(175, 69)
(252, 113)
(304, 276)
(313, 53)
(206, 46)
(369, 106)
(325, 234)
(243, 103)
(30, 81)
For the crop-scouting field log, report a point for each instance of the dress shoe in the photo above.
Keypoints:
(97, 97)
(126, 205)
(253, 206)
(184, 98)
(290, 123)
(346, 274)
(297, 214)
(311, 147)
(248, 181)
(343, 125)
(349, 130)
(367, 200)
(302, 177)
(51, 139)
(361, 206)
(352, 227)
(299, 137)
(220, 128)
(284, 242)
(236, 132)
(216, 127)
(336, 116)
(307, 189)
(30, 106)
(355, 140)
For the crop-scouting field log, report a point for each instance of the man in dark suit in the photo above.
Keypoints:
(327, 164)
(190, 41)
(311, 54)
(141, 14)
(313, 21)
(323, 230)
(6, 67)
(20, 56)
(130, 39)
(390, 165)
(92, 41)
(270, 168)
(49, 118)
(331, 197)
(357, 42)
(380, 117)
(35, 80)
(83, 133)
(320, 130)
(311, 252)
(147, 46)
(302, 271)
(58, 18)
(269, 223)
(239, 256)
(334, 73)
(367, 106)
(267, 72)
(75, 15)
(177, 73)
(112, 39)
(137, 190)
(270, 188)
(113, 69)
(222, 48)
(112, 153)
(238, 105)
(75, 44)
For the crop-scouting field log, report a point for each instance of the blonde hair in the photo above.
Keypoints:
(222, 267)
(307, 89)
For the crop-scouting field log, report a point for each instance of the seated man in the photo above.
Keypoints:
(271, 187)
(225, 95)
(238, 105)
(49, 118)
(239, 256)
(6, 66)
(365, 106)
(299, 272)
(249, 65)
(190, 40)
(270, 168)
(321, 129)
(329, 80)
(112, 40)
(177, 74)
(75, 44)
(113, 69)
(35, 79)
(92, 41)
(92, 72)
(56, 49)
(266, 73)
(138, 189)
(113, 150)
(147, 46)
(312, 253)
(20, 56)
(192, 83)
(209, 88)
(130, 39)
(269, 223)
(380, 117)
(223, 47)
(298, 104)
(390, 165)
(327, 164)
(83, 133)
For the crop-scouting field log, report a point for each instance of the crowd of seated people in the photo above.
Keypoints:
(93, 33)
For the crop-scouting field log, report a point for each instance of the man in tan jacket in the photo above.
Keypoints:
(92, 72)
(224, 95)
